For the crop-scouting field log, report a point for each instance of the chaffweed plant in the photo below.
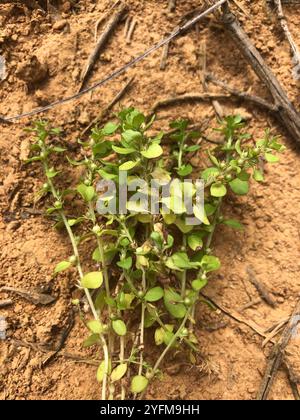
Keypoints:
(154, 265)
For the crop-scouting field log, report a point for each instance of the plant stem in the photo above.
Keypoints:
(171, 343)
(80, 272)
(183, 279)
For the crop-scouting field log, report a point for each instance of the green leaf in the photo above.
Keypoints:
(61, 266)
(123, 150)
(210, 173)
(185, 170)
(177, 310)
(110, 128)
(138, 384)
(52, 173)
(193, 148)
(258, 175)
(154, 294)
(90, 341)
(87, 193)
(101, 371)
(198, 284)
(179, 260)
(126, 264)
(182, 226)
(271, 158)
(239, 187)
(119, 327)
(218, 190)
(159, 336)
(127, 166)
(130, 136)
(92, 280)
(95, 326)
(210, 263)
(118, 372)
(233, 224)
(195, 241)
(153, 152)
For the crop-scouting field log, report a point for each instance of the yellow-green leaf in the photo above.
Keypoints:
(92, 280)
(118, 372)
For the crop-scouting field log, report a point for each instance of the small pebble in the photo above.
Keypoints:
(59, 25)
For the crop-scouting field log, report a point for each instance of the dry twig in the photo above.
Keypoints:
(286, 112)
(5, 303)
(261, 288)
(131, 30)
(277, 354)
(103, 39)
(289, 37)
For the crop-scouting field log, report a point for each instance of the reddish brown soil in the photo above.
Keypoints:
(233, 357)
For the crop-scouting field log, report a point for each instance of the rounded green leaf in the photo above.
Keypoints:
(118, 372)
(239, 187)
(185, 170)
(125, 264)
(271, 158)
(258, 175)
(86, 192)
(177, 310)
(155, 294)
(195, 241)
(153, 152)
(119, 327)
(91, 340)
(63, 265)
(127, 166)
(123, 150)
(218, 190)
(101, 371)
(138, 384)
(210, 263)
(92, 280)
(198, 284)
(95, 326)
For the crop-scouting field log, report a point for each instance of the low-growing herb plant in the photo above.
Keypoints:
(153, 265)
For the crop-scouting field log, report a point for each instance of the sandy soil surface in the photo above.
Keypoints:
(57, 44)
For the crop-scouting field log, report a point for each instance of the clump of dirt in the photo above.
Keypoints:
(45, 52)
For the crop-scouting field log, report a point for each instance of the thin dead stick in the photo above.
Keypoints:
(103, 39)
(277, 354)
(273, 333)
(286, 113)
(131, 29)
(236, 316)
(261, 288)
(256, 100)
(203, 54)
(272, 327)
(164, 56)
(114, 101)
(201, 97)
(5, 303)
(250, 305)
(289, 37)
(126, 26)
(172, 6)
(39, 348)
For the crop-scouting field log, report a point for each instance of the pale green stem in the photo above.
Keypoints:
(80, 272)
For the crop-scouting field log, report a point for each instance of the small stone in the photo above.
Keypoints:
(14, 225)
(83, 118)
(280, 299)
(260, 224)
(59, 25)
(66, 7)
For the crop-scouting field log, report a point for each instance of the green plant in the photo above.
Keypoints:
(154, 265)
